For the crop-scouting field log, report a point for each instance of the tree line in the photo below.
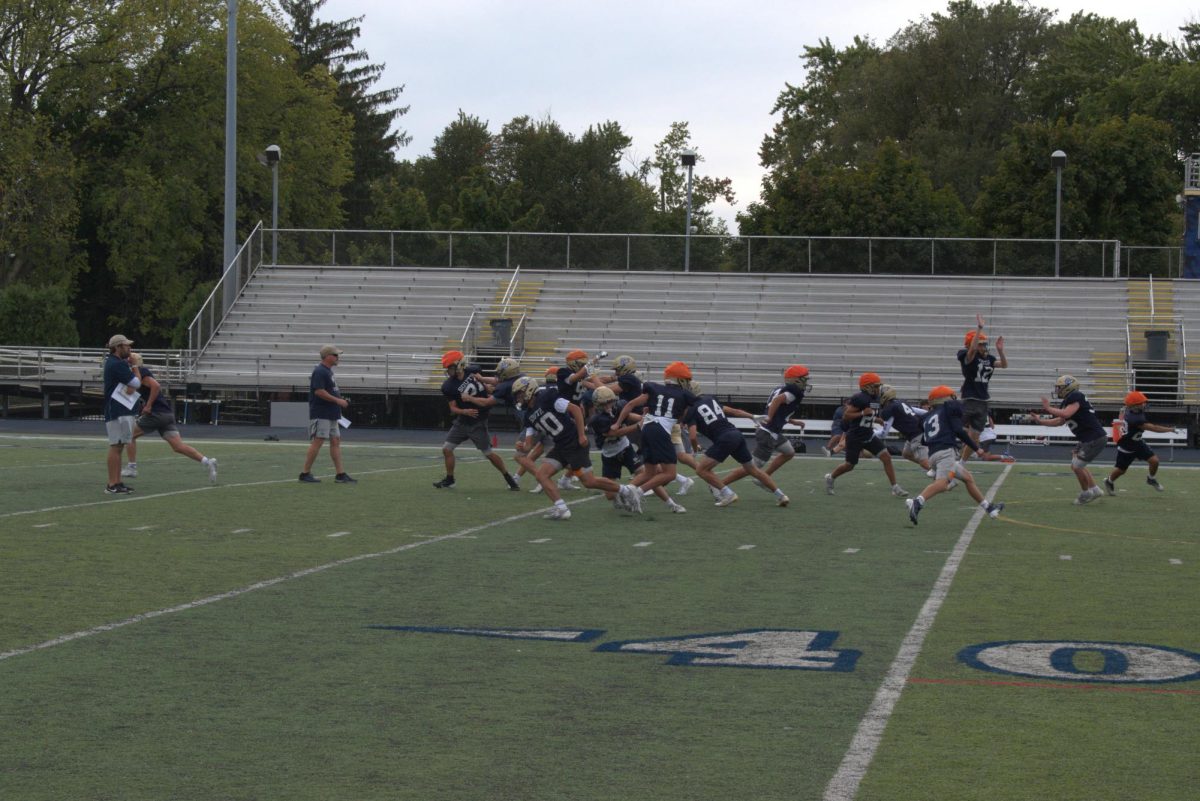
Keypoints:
(112, 137)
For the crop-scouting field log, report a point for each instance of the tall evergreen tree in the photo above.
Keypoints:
(330, 46)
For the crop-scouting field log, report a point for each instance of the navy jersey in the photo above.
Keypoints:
(1084, 424)
(667, 401)
(708, 416)
(902, 417)
(631, 387)
(549, 415)
(863, 428)
(319, 408)
(566, 389)
(503, 390)
(162, 404)
(976, 374)
(116, 371)
(791, 403)
(1131, 429)
(456, 389)
(944, 428)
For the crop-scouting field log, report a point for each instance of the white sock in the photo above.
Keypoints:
(984, 504)
(132, 464)
(561, 503)
(778, 492)
(681, 478)
(204, 460)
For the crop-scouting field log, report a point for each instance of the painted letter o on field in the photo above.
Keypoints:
(1115, 662)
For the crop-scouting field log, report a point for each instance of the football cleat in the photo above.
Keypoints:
(128, 472)
(677, 509)
(1110, 487)
(345, 478)
(558, 513)
(1154, 483)
(445, 483)
(512, 482)
(899, 491)
(826, 451)
(914, 508)
(118, 489)
(632, 496)
(994, 510)
(829, 483)
(309, 478)
(212, 470)
(782, 500)
(536, 489)
(685, 484)
(728, 498)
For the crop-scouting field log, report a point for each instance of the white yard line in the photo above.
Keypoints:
(262, 585)
(844, 784)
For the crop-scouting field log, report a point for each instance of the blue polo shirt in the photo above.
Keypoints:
(116, 371)
(319, 408)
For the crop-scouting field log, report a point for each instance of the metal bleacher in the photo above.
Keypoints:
(737, 330)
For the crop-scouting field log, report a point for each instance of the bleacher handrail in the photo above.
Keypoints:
(197, 341)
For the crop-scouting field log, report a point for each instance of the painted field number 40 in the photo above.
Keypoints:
(751, 648)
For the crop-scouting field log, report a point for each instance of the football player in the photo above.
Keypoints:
(563, 421)
(1076, 413)
(943, 430)
(772, 450)
(470, 420)
(977, 367)
(906, 420)
(616, 451)
(666, 404)
(1132, 424)
(711, 419)
(837, 436)
(859, 423)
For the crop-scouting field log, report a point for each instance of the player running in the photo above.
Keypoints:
(470, 420)
(859, 423)
(1132, 424)
(666, 404)
(943, 430)
(711, 419)
(1076, 413)
(769, 441)
(907, 421)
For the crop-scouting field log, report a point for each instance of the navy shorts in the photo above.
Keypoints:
(610, 466)
(1127, 457)
(657, 447)
(729, 443)
(854, 447)
(571, 455)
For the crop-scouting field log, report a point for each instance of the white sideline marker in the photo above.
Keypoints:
(241, 531)
(45, 525)
(539, 542)
(851, 550)
(339, 533)
(1065, 557)
(844, 784)
(642, 544)
(745, 547)
(1176, 561)
(141, 528)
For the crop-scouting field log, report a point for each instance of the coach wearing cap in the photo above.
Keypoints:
(118, 418)
(325, 404)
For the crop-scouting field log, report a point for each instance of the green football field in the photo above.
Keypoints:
(266, 639)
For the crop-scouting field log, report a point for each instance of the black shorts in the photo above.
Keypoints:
(571, 455)
(1127, 457)
(730, 443)
(610, 466)
(975, 413)
(854, 447)
(657, 447)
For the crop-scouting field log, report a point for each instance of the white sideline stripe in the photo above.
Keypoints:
(201, 441)
(45, 525)
(339, 534)
(642, 544)
(205, 488)
(241, 531)
(1176, 561)
(539, 542)
(1066, 557)
(851, 550)
(261, 585)
(745, 547)
(844, 784)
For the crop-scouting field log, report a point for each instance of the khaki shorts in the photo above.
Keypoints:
(946, 465)
(915, 449)
(162, 422)
(324, 429)
(120, 430)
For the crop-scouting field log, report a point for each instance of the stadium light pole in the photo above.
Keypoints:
(1059, 160)
(270, 158)
(688, 159)
(230, 149)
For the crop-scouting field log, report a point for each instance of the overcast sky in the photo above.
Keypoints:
(717, 65)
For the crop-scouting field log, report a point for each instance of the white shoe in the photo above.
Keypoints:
(564, 483)
(994, 510)
(951, 484)
(716, 493)
(931, 473)
(632, 496)
(536, 489)
(829, 483)
(685, 484)
(677, 509)
(899, 491)
(212, 470)
(730, 497)
(1087, 496)
(826, 451)
(129, 472)
(558, 513)
(782, 500)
